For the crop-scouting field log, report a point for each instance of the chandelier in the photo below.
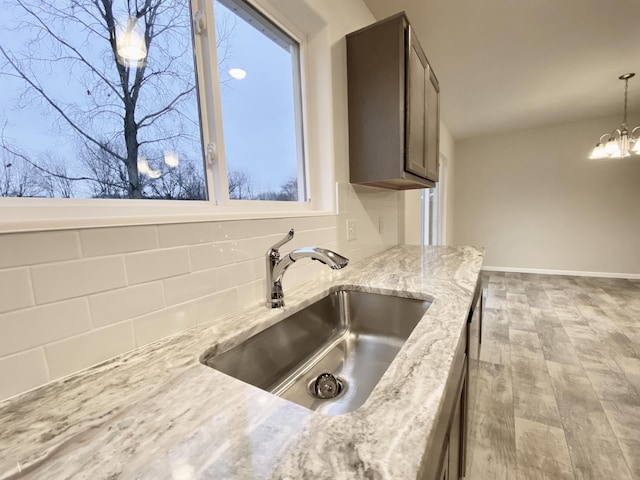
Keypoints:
(619, 143)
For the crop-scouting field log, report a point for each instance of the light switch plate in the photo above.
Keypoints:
(352, 230)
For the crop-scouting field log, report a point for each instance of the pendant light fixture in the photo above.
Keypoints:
(619, 143)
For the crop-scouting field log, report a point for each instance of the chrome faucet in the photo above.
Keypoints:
(276, 266)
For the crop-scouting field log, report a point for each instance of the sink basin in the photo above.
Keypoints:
(350, 335)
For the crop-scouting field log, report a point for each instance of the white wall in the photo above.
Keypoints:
(412, 217)
(73, 298)
(535, 200)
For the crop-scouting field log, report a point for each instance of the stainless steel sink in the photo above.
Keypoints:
(350, 335)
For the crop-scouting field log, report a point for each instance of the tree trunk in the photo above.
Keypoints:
(131, 141)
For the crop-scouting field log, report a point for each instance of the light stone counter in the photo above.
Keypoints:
(157, 413)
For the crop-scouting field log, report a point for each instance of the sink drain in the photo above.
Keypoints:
(326, 386)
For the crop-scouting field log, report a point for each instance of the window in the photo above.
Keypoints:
(80, 122)
(434, 208)
(259, 80)
(80, 117)
(430, 197)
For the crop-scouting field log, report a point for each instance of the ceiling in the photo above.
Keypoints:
(513, 64)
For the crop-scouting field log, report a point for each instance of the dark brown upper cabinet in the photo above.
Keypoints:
(394, 108)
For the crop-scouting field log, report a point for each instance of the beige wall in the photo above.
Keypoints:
(73, 298)
(535, 200)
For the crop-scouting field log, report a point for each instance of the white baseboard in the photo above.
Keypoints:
(572, 273)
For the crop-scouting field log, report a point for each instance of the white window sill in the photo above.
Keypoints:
(35, 214)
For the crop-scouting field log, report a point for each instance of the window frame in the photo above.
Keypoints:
(39, 214)
(205, 52)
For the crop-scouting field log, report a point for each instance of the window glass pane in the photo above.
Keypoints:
(259, 87)
(81, 117)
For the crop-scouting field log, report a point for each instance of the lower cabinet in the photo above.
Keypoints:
(453, 462)
(457, 437)
(444, 474)
(474, 337)
(448, 456)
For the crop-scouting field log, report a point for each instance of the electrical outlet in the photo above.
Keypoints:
(352, 230)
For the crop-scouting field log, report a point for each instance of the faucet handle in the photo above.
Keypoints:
(287, 238)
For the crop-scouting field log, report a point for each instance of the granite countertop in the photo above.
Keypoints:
(157, 413)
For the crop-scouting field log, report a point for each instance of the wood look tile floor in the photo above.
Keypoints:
(559, 379)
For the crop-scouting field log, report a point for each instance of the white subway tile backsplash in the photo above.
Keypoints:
(308, 238)
(82, 351)
(248, 228)
(303, 271)
(190, 286)
(157, 264)
(59, 281)
(334, 245)
(15, 289)
(180, 234)
(326, 236)
(208, 308)
(139, 284)
(309, 223)
(125, 303)
(32, 327)
(108, 241)
(236, 274)
(22, 372)
(258, 269)
(253, 293)
(253, 248)
(19, 249)
(157, 325)
(210, 255)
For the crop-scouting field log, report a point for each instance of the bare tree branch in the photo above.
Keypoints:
(164, 110)
(111, 95)
(62, 41)
(53, 103)
(40, 168)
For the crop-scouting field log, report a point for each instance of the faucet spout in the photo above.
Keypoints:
(276, 267)
(332, 259)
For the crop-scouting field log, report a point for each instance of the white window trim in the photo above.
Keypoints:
(38, 214)
(211, 105)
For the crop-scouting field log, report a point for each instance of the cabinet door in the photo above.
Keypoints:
(444, 474)
(456, 438)
(416, 102)
(432, 137)
(473, 359)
